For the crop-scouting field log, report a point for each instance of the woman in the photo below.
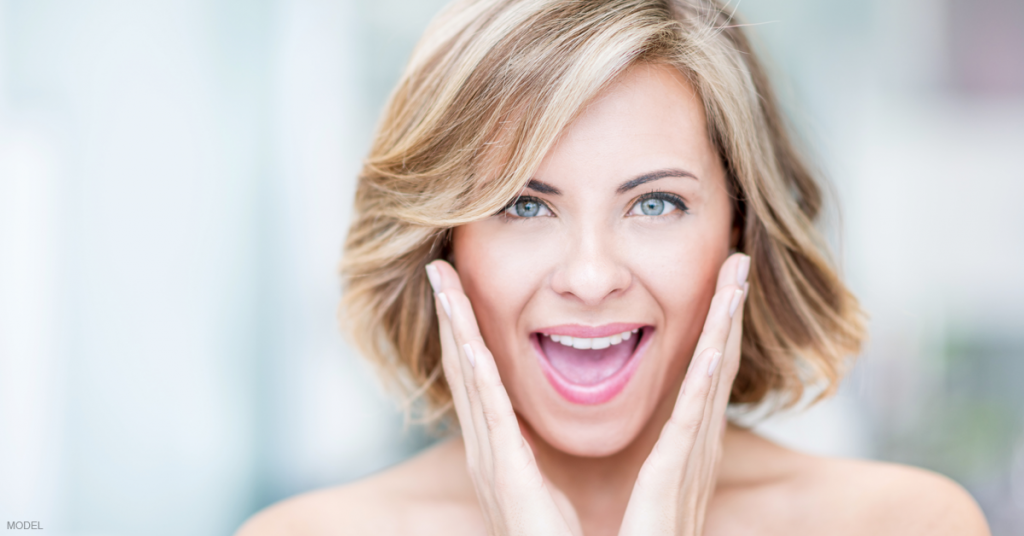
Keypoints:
(544, 245)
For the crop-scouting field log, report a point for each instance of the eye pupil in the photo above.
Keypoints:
(527, 208)
(652, 207)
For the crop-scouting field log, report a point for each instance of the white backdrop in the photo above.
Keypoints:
(175, 183)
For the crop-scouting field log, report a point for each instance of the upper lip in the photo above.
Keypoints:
(590, 332)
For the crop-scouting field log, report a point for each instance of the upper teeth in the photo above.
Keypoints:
(596, 343)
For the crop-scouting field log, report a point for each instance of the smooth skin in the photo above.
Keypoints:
(658, 458)
(677, 479)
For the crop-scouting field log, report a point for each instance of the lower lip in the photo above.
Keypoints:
(598, 393)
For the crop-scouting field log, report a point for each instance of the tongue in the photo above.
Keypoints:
(586, 367)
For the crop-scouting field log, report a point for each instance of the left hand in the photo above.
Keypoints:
(677, 480)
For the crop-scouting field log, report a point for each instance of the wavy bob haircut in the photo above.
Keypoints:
(488, 90)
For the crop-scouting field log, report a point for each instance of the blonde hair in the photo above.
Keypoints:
(488, 89)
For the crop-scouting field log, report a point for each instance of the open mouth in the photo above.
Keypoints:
(591, 370)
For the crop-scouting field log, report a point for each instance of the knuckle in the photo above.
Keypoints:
(487, 380)
(459, 333)
(495, 381)
(476, 340)
(493, 419)
(685, 426)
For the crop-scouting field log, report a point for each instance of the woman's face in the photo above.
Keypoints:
(620, 234)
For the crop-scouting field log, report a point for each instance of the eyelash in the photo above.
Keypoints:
(505, 211)
(663, 196)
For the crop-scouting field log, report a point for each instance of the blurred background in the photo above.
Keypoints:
(175, 183)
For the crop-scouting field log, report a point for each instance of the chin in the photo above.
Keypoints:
(600, 437)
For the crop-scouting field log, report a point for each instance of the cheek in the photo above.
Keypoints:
(680, 269)
(499, 270)
(680, 274)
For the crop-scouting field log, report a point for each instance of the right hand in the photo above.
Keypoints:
(514, 496)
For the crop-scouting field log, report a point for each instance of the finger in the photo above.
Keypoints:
(504, 448)
(693, 409)
(470, 344)
(679, 436)
(735, 269)
(448, 278)
(702, 473)
(697, 415)
(722, 372)
(683, 450)
(658, 484)
(709, 450)
(488, 411)
(719, 321)
(723, 329)
(454, 368)
(464, 329)
(489, 407)
(511, 460)
(717, 325)
(700, 466)
(732, 353)
(454, 374)
(498, 415)
(729, 367)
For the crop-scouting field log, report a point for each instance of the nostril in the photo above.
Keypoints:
(590, 282)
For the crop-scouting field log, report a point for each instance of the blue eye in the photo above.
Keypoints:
(527, 207)
(652, 207)
(657, 204)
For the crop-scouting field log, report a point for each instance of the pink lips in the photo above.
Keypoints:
(578, 389)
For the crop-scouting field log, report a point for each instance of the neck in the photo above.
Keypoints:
(599, 488)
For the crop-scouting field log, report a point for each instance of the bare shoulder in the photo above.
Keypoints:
(895, 499)
(417, 496)
(799, 493)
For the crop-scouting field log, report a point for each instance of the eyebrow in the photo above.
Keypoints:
(545, 188)
(542, 187)
(653, 176)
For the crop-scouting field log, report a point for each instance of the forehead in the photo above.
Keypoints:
(649, 117)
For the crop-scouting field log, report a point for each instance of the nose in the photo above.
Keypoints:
(591, 269)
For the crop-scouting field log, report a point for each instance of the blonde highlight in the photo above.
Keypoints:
(487, 92)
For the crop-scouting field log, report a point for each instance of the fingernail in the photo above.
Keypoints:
(743, 270)
(736, 299)
(434, 277)
(469, 354)
(714, 363)
(444, 303)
